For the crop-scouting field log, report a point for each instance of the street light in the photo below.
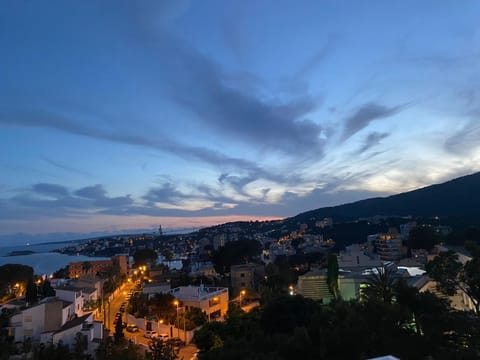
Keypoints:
(178, 330)
(242, 293)
(176, 303)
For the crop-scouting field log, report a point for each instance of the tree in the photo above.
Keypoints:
(196, 316)
(161, 350)
(46, 289)
(451, 275)
(380, 285)
(80, 345)
(31, 292)
(145, 257)
(86, 266)
(168, 255)
(423, 237)
(118, 335)
(332, 274)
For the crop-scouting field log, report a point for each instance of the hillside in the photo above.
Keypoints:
(458, 197)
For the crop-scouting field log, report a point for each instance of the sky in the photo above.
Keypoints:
(129, 114)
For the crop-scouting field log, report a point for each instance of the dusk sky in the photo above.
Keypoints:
(128, 114)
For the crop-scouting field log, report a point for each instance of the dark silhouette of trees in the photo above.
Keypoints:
(423, 237)
(235, 252)
(161, 350)
(31, 296)
(46, 289)
(451, 275)
(119, 335)
(332, 274)
(145, 257)
(380, 285)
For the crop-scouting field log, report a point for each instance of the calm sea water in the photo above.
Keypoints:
(45, 262)
(42, 261)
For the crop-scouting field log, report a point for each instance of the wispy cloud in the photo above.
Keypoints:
(364, 116)
(372, 139)
(465, 140)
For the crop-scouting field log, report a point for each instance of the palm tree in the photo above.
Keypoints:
(381, 285)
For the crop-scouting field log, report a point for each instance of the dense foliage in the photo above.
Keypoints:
(145, 257)
(409, 324)
(235, 252)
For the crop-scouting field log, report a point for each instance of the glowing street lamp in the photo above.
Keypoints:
(242, 293)
(178, 330)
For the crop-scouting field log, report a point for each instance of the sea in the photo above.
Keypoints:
(43, 261)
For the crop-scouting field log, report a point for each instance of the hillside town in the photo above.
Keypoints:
(139, 296)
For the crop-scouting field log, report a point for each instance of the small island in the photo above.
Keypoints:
(21, 252)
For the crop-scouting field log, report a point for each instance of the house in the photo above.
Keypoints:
(213, 301)
(357, 257)
(83, 325)
(246, 276)
(156, 288)
(40, 319)
(74, 295)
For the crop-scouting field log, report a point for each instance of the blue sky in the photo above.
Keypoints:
(124, 115)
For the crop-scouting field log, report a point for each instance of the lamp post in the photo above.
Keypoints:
(177, 325)
(242, 293)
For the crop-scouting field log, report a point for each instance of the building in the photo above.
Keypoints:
(246, 276)
(388, 246)
(73, 295)
(313, 285)
(357, 257)
(213, 301)
(44, 318)
(156, 288)
(83, 325)
(83, 268)
(94, 267)
(122, 261)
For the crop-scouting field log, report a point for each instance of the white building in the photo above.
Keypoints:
(43, 318)
(213, 301)
(73, 295)
(358, 257)
(84, 325)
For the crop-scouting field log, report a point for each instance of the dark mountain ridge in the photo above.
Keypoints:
(457, 197)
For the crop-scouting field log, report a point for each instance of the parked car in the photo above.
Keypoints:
(132, 328)
(176, 342)
(149, 334)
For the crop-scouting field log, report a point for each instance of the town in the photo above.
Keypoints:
(171, 289)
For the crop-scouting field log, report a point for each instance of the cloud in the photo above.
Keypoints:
(42, 118)
(319, 56)
(364, 116)
(465, 140)
(166, 193)
(51, 190)
(66, 168)
(372, 140)
(97, 193)
(201, 86)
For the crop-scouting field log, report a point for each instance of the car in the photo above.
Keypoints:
(176, 342)
(132, 328)
(149, 334)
